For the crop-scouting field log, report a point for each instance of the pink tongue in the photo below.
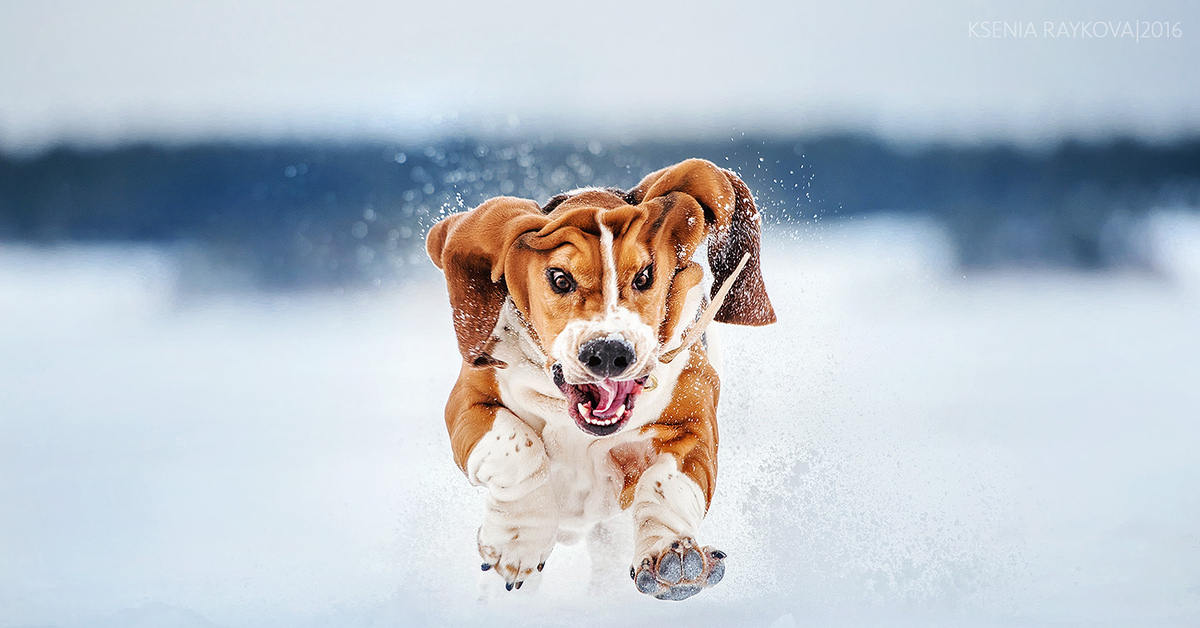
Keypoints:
(610, 391)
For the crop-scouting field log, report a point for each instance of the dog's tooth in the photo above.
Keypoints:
(620, 412)
(583, 411)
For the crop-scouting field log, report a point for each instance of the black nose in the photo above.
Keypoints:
(607, 357)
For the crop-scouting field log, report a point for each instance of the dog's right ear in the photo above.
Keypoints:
(470, 248)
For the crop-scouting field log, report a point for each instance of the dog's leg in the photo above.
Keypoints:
(671, 496)
(520, 519)
(667, 509)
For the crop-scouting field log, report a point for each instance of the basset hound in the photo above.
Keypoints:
(582, 393)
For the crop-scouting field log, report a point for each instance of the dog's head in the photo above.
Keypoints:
(600, 277)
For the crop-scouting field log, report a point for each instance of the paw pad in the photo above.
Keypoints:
(670, 569)
(680, 571)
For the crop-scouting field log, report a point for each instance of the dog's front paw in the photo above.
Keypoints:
(515, 552)
(679, 571)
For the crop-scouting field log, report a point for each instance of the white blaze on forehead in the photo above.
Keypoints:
(609, 264)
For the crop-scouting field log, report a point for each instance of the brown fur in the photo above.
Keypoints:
(471, 410)
(502, 249)
(687, 429)
(734, 228)
(472, 249)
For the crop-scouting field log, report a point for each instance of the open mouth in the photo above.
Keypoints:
(603, 407)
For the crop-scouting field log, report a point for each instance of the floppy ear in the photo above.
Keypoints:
(734, 229)
(470, 249)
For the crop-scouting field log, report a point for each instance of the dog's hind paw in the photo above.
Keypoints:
(679, 571)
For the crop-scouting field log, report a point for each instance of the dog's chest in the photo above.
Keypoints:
(586, 479)
(586, 475)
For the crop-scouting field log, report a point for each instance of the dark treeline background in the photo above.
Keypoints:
(319, 213)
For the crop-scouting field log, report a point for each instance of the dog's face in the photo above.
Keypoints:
(600, 278)
(594, 285)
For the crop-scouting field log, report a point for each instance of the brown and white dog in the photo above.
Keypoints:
(566, 408)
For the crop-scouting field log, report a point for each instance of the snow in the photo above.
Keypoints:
(908, 445)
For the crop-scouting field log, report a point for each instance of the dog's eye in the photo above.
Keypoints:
(560, 280)
(644, 279)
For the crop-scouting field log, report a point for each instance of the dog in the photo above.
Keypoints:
(585, 388)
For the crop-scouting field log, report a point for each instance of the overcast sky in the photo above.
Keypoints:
(115, 71)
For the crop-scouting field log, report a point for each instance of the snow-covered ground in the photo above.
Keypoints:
(908, 446)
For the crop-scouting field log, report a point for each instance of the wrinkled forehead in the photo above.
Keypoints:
(595, 211)
(573, 249)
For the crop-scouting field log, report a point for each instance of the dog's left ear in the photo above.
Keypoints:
(471, 248)
(734, 229)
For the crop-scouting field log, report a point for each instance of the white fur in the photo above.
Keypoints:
(667, 506)
(567, 480)
(585, 480)
(516, 536)
(509, 460)
(609, 269)
(619, 322)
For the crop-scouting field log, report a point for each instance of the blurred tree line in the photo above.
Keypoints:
(304, 214)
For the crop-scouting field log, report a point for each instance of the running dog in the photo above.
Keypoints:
(585, 388)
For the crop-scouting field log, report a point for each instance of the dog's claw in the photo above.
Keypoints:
(508, 586)
(541, 566)
(485, 566)
(519, 583)
(680, 571)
